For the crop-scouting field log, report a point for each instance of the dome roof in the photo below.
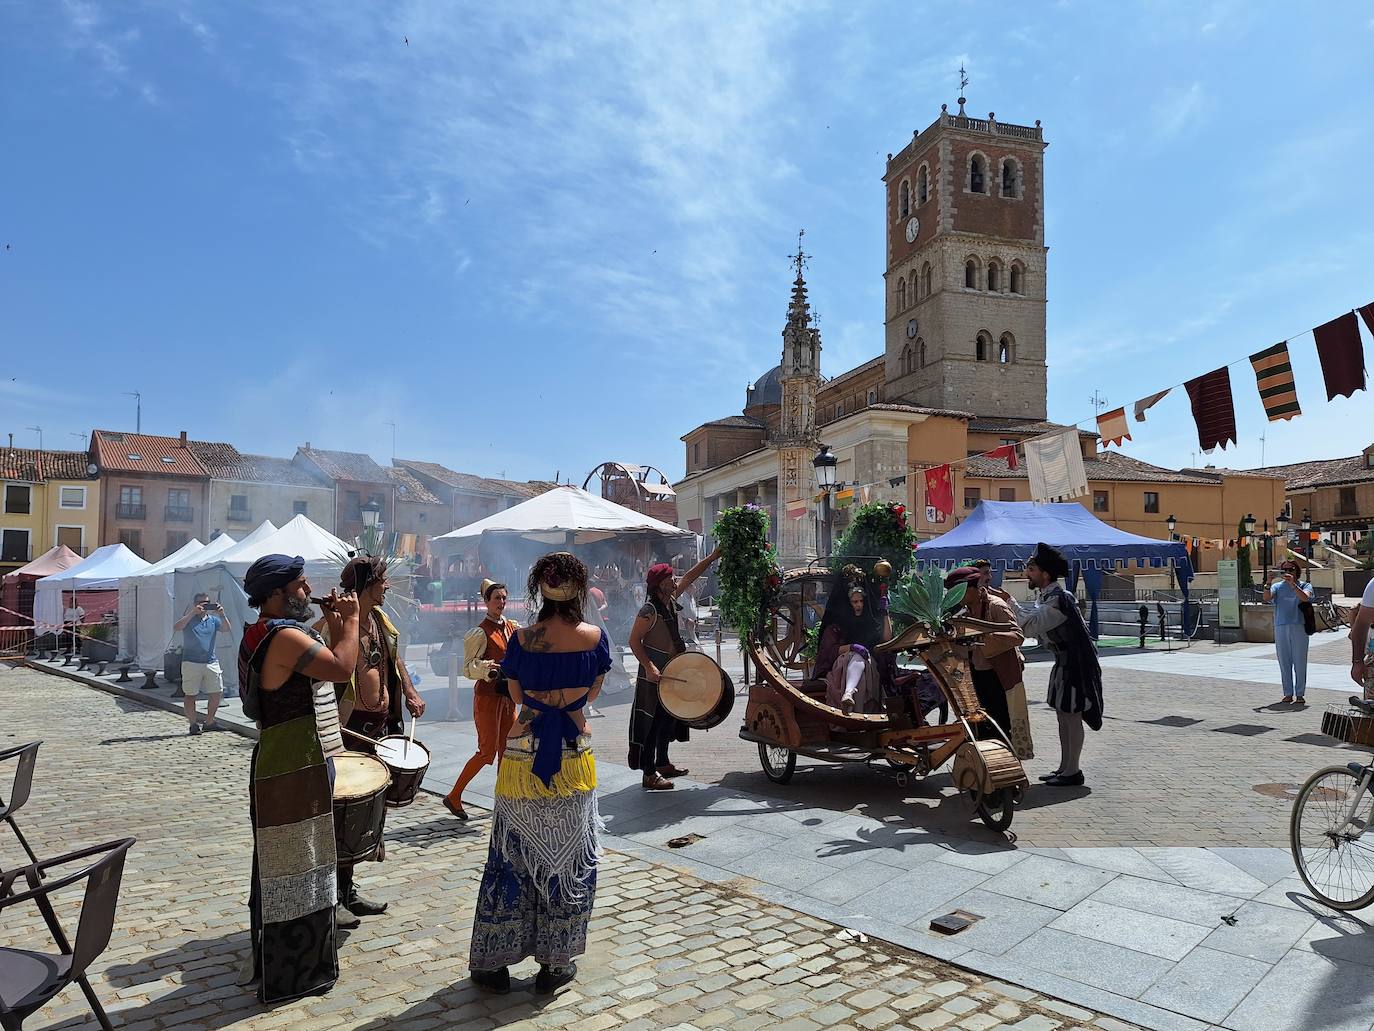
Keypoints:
(767, 389)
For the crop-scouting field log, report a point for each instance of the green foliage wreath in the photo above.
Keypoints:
(877, 530)
(749, 574)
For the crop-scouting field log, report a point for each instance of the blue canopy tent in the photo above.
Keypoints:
(1006, 533)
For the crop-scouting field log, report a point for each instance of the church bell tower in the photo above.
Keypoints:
(796, 438)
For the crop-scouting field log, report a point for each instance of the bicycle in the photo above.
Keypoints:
(1331, 814)
(1332, 615)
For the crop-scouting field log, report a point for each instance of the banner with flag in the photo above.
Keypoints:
(1146, 403)
(940, 490)
(1112, 428)
(796, 509)
(844, 497)
(1274, 377)
(1007, 451)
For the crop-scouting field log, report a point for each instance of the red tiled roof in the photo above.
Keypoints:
(34, 466)
(467, 481)
(19, 463)
(1109, 465)
(346, 465)
(1028, 427)
(146, 454)
(409, 489)
(226, 462)
(66, 465)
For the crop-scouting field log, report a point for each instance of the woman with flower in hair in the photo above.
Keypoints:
(540, 879)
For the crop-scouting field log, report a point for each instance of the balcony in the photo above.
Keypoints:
(131, 511)
(177, 514)
(240, 515)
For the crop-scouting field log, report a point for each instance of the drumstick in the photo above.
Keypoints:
(411, 740)
(360, 737)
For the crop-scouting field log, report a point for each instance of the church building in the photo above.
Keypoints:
(962, 371)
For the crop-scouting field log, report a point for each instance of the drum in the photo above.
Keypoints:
(360, 787)
(696, 690)
(408, 761)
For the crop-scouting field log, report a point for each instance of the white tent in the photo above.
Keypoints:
(222, 578)
(567, 515)
(102, 571)
(262, 531)
(128, 595)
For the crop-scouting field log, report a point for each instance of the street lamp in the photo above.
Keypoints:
(1249, 526)
(1307, 535)
(824, 463)
(1172, 523)
(371, 513)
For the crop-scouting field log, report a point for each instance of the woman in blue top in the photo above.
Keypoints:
(1290, 634)
(537, 890)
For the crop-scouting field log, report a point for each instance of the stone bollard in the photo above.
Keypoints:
(85, 661)
(151, 683)
(123, 674)
(67, 659)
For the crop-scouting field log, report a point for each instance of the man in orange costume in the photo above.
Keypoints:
(484, 646)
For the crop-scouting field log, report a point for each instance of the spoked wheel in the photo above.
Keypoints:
(778, 763)
(1334, 863)
(996, 808)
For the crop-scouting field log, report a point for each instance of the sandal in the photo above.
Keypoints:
(657, 783)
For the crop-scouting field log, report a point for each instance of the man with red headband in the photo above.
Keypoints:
(655, 638)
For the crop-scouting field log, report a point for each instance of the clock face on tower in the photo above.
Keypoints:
(912, 228)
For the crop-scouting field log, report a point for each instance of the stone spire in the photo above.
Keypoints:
(801, 340)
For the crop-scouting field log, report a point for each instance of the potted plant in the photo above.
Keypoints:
(99, 644)
(749, 576)
(922, 599)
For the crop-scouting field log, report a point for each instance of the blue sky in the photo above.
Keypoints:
(540, 236)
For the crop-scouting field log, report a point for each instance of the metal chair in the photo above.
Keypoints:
(30, 979)
(19, 792)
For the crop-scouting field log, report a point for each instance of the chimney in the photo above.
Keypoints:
(11, 444)
(183, 438)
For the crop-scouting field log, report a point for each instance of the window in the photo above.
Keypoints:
(14, 546)
(1018, 276)
(972, 495)
(238, 502)
(901, 294)
(983, 347)
(905, 365)
(1100, 501)
(1151, 501)
(73, 537)
(299, 508)
(353, 504)
(971, 274)
(994, 277)
(17, 498)
(925, 280)
(178, 506)
(905, 202)
(1346, 505)
(839, 409)
(921, 347)
(177, 539)
(72, 497)
(696, 453)
(912, 287)
(131, 495)
(133, 540)
(1009, 178)
(872, 395)
(1006, 493)
(1006, 349)
(923, 185)
(130, 503)
(977, 174)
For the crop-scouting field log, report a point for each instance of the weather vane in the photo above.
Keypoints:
(963, 79)
(800, 259)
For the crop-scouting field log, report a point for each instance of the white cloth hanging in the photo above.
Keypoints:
(1055, 466)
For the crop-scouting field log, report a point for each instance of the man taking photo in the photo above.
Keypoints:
(200, 671)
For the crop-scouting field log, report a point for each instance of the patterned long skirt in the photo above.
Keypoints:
(540, 879)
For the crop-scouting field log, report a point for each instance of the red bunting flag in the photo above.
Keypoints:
(940, 490)
(1213, 409)
(1007, 451)
(1342, 355)
(1112, 428)
(1367, 313)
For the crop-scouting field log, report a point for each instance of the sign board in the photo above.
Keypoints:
(1228, 594)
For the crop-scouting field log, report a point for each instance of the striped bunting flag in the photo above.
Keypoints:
(1274, 376)
(844, 497)
(796, 509)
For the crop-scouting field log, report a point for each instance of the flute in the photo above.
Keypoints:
(326, 604)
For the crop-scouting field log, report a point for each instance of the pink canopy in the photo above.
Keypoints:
(16, 599)
(54, 560)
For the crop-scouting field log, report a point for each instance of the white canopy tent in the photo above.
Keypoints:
(102, 571)
(222, 578)
(128, 595)
(566, 515)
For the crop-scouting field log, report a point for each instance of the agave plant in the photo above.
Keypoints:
(921, 598)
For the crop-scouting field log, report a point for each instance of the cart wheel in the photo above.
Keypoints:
(778, 763)
(902, 779)
(996, 808)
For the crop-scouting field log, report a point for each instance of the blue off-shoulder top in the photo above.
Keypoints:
(555, 671)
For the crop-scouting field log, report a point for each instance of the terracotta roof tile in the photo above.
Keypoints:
(1326, 472)
(409, 489)
(1103, 467)
(19, 463)
(146, 454)
(346, 465)
(1029, 427)
(66, 465)
(476, 484)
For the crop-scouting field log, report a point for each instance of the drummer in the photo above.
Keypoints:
(655, 638)
(379, 683)
(493, 712)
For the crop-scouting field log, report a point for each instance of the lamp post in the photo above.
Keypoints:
(824, 463)
(1307, 536)
(1281, 521)
(1172, 523)
(372, 526)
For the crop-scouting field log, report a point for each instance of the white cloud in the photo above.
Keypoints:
(92, 35)
(1178, 109)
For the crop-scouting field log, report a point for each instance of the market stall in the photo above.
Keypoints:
(16, 596)
(92, 585)
(145, 602)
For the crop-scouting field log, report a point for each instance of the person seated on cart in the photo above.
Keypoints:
(994, 659)
(850, 629)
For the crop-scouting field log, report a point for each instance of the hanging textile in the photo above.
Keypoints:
(1367, 313)
(867, 494)
(1342, 355)
(1007, 451)
(844, 497)
(1274, 377)
(1146, 403)
(896, 481)
(1055, 465)
(1112, 428)
(940, 490)
(796, 509)
(1213, 409)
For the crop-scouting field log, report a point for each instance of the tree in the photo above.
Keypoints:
(1247, 578)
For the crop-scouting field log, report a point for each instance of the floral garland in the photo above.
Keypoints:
(749, 576)
(878, 530)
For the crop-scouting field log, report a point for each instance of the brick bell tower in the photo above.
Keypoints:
(965, 297)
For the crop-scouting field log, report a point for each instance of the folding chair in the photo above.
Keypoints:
(19, 793)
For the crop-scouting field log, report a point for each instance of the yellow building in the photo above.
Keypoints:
(50, 498)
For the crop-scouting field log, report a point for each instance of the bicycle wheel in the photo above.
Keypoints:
(1336, 865)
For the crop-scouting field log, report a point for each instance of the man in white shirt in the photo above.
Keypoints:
(72, 618)
(1361, 665)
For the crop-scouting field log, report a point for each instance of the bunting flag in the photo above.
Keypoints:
(844, 497)
(1055, 465)
(1112, 428)
(1342, 355)
(867, 494)
(1007, 451)
(796, 509)
(1274, 377)
(1213, 409)
(940, 490)
(1146, 403)
(896, 481)
(1367, 313)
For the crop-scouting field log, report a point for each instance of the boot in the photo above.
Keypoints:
(495, 981)
(550, 979)
(360, 906)
(343, 919)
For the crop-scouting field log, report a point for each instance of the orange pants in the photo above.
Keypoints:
(493, 714)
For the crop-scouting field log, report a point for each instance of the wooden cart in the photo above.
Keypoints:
(788, 716)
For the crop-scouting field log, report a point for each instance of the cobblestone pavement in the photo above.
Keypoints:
(1184, 758)
(667, 950)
